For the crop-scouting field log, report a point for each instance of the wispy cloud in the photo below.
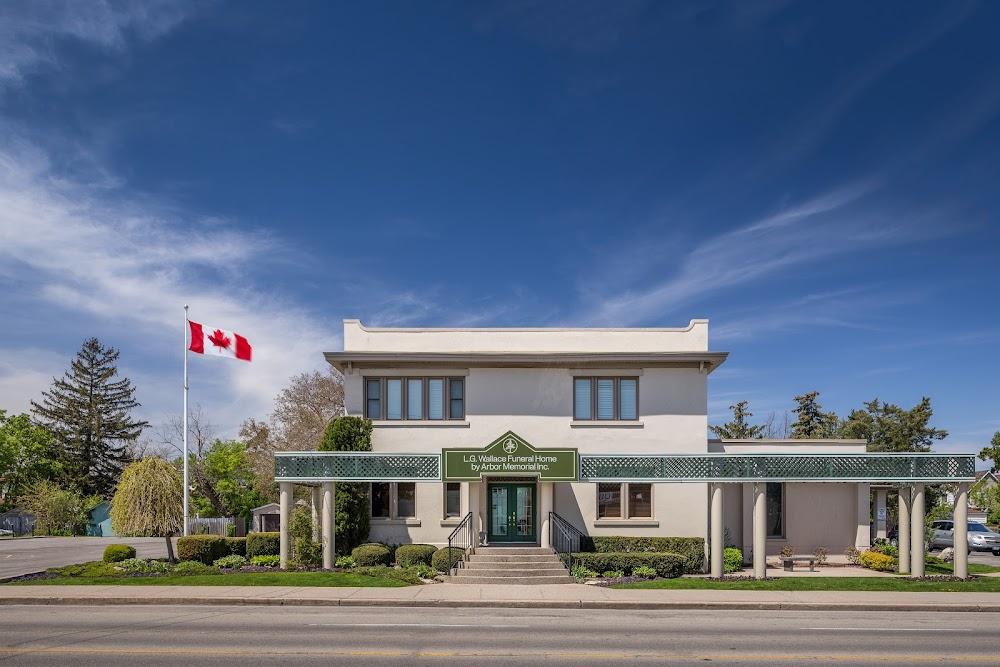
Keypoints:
(817, 228)
(124, 265)
(30, 30)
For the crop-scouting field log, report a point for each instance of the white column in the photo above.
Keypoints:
(327, 536)
(545, 492)
(718, 543)
(903, 530)
(961, 517)
(285, 513)
(315, 513)
(759, 530)
(746, 518)
(917, 531)
(863, 536)
(881, 513)
(477, 525)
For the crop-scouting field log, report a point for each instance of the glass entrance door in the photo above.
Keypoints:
(512, 513)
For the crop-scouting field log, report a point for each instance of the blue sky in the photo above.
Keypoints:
(818, 180)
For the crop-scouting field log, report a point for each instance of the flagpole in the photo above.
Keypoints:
(186, 329)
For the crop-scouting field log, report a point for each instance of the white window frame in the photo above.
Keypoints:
(617, 399)
(623, 499)
(393, 502)
(404, 410)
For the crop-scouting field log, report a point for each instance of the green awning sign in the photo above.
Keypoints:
(510, 455)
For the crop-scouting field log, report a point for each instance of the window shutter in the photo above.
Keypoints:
(605, 398)
(628, 400)
(394, 399)
(435, 399)
(414, 399)
(581, 399)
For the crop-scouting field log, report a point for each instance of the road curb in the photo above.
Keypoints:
(509, 604)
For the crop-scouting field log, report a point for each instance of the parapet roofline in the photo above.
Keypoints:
(691, 325)
(346, 361)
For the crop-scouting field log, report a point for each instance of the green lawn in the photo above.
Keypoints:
(983, 584)
(948, 569)
(235, 579)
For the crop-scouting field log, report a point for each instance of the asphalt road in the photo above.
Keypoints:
(24, 555)
(107, 636)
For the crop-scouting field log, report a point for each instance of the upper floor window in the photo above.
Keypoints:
(605, 398)
(414, 398)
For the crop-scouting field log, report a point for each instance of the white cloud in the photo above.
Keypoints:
(30, 30)
(122, 267)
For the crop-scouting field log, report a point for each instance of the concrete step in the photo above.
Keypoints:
(513, 581)
(511, 571)
(513, 565)
(496, 558)
(513, 551)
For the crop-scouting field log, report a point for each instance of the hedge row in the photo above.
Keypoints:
(263, 544)
(692, 548)
(209, 548)
(414, 554)
(667, 565)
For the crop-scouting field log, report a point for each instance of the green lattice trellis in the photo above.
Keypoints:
(780, 467)
(899, 468)
(353, 466)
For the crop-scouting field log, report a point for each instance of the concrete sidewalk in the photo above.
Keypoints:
(539, 597)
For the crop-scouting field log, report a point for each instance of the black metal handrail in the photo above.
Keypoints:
(564, 538)
(461, 538)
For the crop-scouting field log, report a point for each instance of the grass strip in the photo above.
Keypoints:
(983, 584)
(235, 579)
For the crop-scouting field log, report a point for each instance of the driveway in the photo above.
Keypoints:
(24, 555)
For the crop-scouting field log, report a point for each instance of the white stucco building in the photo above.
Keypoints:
(510, 430)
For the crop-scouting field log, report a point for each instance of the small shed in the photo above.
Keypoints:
(266, 518)
(99, 523)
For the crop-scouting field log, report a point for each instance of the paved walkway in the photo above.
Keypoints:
(544, 597)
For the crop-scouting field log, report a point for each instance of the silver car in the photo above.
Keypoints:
(980, 538)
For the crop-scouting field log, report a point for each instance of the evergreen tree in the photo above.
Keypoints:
(890, 428)
(352, 503)
(88, 412)
(991, 453)
(813, 422)
(738, 428)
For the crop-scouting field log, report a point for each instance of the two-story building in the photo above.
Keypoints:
(509, 430)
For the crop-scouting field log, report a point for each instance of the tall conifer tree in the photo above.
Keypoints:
(88, 412)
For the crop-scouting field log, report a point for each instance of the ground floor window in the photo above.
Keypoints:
(775, 509)
(625, 500)
(394, 500)
(452, 500)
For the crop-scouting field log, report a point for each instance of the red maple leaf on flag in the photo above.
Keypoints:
(219, 339)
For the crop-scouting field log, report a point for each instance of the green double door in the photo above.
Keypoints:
(512, 513)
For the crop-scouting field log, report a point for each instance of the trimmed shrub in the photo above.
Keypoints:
(141, 565)
(368, 555)
(236, 546)
(203, 548)
(192, 567)
(308, 553)
(115, 553)
(263, 544)
(265, 561)
(645, 572)
(667, 565)
(439, 561)
(692, 548)
(732, 560)
(874, 560)
(414, 554)
(233, 562)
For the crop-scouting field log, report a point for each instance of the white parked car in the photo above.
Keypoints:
(980, 538)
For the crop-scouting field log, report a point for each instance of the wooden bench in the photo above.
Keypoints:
(789, 562)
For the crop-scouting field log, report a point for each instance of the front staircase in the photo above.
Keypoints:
(511, 565)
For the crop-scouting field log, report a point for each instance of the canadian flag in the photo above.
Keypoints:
(218, 342)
